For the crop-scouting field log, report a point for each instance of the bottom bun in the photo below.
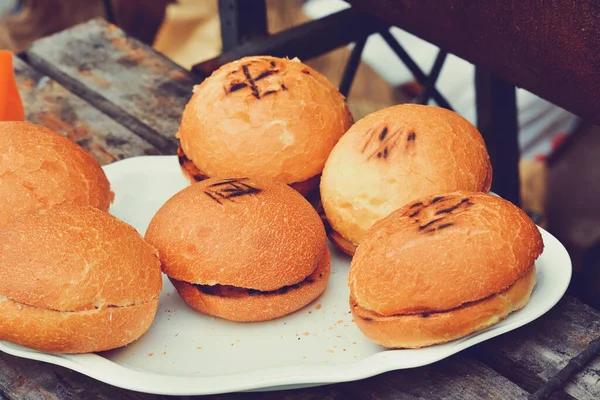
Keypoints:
(258, 306)
(421, 330)
(342, 243)
(306, 188)
(74, 332)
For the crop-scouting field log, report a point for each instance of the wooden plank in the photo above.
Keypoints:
(454, 378)
(119, 75)
(531, 355)
(49, 104)
(27, 379)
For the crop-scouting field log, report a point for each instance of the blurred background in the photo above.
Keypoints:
(559, 168)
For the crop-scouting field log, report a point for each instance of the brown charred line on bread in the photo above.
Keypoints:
(383, 134)
(383, 142)
(425, 315)
(415, 213)
(235, 86)
(411, 137)
(250, 81)
(439, 227)
(189, 166)
(417, 204)
(230, 189)
(305, 71)
(464, 203)
(430, 223)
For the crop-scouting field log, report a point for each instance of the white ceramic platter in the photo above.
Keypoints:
(186, 353)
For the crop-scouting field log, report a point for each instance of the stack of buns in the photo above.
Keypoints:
(73, 278)
(404, 191)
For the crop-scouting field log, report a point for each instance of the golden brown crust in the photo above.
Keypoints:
(266, 117)
(306, 188)
(396, 155)
(74, 332)
(258, 307)
(420, 330)
(40, 168)
(72, 258)
(256, 234)
(443, 251)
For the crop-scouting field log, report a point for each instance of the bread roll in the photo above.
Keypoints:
(40, 168)
(263, 117)
(443, 267)
(242, 249)
(394, 156)
(75, 280)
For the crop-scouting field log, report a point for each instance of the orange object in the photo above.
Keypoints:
(11, 108)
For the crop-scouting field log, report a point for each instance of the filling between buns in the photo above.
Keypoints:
(368, 315)
(305, 187)
(234, 291)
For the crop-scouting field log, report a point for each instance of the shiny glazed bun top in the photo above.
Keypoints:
(263, 117)
(440, 252)
(40, 168)
(396, 155)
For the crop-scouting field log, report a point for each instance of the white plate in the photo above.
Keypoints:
(186, 353)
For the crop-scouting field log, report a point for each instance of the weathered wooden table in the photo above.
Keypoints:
(118, 99)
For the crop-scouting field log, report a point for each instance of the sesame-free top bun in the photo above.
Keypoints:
(74, 279)
(443, 267)
(394, 156)
(40, 168)
(242, 249)
(262, 116)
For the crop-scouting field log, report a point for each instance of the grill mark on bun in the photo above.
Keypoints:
(264, 74)
(417, 204)
(411, 137)
(383, 134)
(386, 143)
(251, 82)
(306, 71)
(229, 189)
(464, 203)
(422, 227)
(440, 227)
(436, 199)
(283, 87)
(415, 213)
(237, 86)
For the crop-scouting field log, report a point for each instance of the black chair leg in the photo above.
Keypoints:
(497, 121)
(241, 20)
